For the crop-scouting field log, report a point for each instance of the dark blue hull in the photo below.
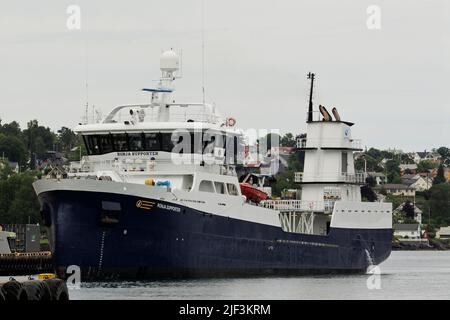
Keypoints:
(160, 241)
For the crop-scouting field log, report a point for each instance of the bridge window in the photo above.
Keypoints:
(220, 187)
(98, 144)
(200, 143)
(120, 142)
(206, 186)
(232, 189)
(135, 141)
(152, 141)
(167, 143)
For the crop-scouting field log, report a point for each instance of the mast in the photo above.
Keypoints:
(310, 109)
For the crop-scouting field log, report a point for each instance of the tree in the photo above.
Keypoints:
(426, 165)
(11, 129)
(371, 181)
(444, 152)
(440, 202)
(393, 171)
(371, 162)
(288, 140)
(406, 159)
(368, 194)
(12, 148)
(440, 177)
(67, 139)
(408, 209)
(38, 140)
(18, 201)
(374, 153)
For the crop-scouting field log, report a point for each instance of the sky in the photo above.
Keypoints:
(393, 82)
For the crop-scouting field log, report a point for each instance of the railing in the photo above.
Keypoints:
(177, 113)
(298, 205)
(329, 143)
(146, 166)
(359, 177)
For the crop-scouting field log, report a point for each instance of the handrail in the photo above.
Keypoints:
(299, 205)
(141, 165)
(355, 144)
(116, 114)
(358, 177)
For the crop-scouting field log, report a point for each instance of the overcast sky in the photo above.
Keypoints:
(394, 83)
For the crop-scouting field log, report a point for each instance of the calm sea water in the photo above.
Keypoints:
(405, 275)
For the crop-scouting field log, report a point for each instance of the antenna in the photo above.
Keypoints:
(203, 50)
(86, 80)
(310, 110)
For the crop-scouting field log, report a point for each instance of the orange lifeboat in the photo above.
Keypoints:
(252, 193)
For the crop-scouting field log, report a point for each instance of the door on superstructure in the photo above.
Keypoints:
(344, 162)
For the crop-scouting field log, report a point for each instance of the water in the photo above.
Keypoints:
(405, 275)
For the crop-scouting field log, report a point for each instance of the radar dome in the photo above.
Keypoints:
(169, 61)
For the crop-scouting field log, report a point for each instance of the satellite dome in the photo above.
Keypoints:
(169, 61)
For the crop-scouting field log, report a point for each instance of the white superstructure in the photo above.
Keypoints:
(186, 153)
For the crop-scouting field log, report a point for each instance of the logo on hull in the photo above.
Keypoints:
(144, 204)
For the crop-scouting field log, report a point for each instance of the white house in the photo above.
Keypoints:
(415, 157)
(407, 230)
(417, 182)
(397, 189)
(14, 166)
(379, 177)
(443, 233)
(408, 167)
(417, 212)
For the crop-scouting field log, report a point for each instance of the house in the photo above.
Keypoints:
(431, 156)
(408, 169)
(14, 166)
(415, 157)
(417, 212)
(443, 233)
(380, 178)
(407, 230)
(397, 189)
(417, 182)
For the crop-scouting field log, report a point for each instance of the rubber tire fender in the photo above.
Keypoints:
(14, 291)
(58, 289)
(37, 290)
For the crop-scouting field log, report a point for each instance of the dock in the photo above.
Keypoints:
(25, 263)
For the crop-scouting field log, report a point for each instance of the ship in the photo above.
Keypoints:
(139, 206)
